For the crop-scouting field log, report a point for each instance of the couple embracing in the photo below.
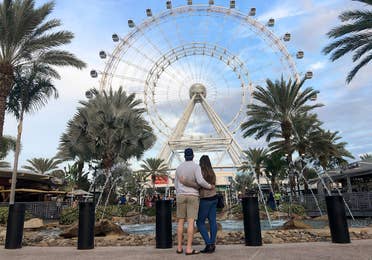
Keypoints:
(193, 182)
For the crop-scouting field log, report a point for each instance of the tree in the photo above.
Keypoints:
(275, 166)
(42, 165)
(31, 91)
(255, 158)
(108, 128)
(305, 129)
(276, 107)
(8, 144)
(76, 178)
(154, 167)
(366, 157)
(353, 36)
(328, 152)
(27, 37)
(244, 182)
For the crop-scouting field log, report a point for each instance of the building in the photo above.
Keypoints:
(30, 186)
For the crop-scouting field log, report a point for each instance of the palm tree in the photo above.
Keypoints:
(27, 37)
(108, 128)
(75, 177)
(275, 110)
(353, 36)
(154, 167)
(275, 166)
(31, 91)
(42, 165)
(366, 157)
(255, 159)
(244, 182)
(328, 151)
(8, 144)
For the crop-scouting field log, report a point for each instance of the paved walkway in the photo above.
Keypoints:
(359, 249)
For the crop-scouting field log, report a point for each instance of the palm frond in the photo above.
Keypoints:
(354, 71)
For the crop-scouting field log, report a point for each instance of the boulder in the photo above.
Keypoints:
(34, 223)
(296, 224)
(101, 228)
(106, 227)
(132, 214)
(279, 215)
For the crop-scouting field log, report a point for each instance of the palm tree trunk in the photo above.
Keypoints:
(2, 113)
(16, 158)
(6, 82)
(273, 184)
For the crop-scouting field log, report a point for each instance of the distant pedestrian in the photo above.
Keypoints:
(277, 198)
(271, 201)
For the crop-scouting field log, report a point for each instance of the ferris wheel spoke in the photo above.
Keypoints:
(182, 43)
(168, 42)
(130, 64)
(118, 76)
(219, 40)
(175, 72)
(205, 33)
(170, 74)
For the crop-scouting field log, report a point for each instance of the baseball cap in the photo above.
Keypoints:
(189, 153)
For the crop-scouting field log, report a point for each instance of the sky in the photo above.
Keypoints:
(347, 108)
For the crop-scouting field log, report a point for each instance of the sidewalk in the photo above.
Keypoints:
(358, 249)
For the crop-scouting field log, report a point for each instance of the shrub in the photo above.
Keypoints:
(4, 215)
(295, 208)
(149, 211)
(69, 216)
(236, 209)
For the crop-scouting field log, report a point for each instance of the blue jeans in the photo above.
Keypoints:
(207, 209)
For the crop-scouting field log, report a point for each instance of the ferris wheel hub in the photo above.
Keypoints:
(198, 89)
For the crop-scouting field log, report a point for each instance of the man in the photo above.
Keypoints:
(277, 198)
(188, 199)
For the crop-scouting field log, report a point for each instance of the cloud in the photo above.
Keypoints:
(318, 65)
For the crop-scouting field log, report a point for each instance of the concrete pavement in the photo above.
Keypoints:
(358, 249)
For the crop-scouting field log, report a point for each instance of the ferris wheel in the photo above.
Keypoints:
(194, 64)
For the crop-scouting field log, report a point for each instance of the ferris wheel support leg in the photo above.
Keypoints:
(234, 149)
(166, 150)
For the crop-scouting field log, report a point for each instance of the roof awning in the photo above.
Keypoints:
(79, 193)
(36, 191)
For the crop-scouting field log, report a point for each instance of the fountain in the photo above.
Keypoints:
(305, 180)
(328, 191)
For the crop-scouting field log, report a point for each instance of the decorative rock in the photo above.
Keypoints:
(101, 228)
(296, 224)
(34, 223)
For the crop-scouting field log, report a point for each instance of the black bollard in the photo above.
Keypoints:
(163, 224)
(252, 227)
(14, 228)
(337, 219)
(86, 225)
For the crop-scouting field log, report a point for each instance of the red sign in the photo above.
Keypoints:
(163, 179)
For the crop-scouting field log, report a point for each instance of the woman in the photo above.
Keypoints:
(207, 205)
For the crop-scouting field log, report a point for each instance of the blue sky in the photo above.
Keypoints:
(347, 107)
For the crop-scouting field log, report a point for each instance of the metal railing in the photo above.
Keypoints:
(360, 203)
(43, 209)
